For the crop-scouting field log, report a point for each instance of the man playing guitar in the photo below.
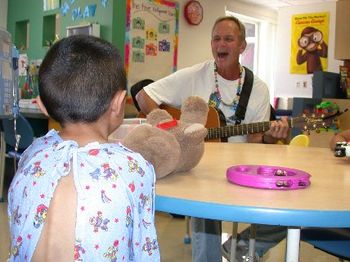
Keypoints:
(220, 82)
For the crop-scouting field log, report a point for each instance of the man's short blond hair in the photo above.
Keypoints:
(240, 25)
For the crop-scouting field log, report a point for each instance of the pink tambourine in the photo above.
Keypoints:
(270, 177)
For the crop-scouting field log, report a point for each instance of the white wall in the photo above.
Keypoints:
(194, 41)
(3, 14)
(286, 83)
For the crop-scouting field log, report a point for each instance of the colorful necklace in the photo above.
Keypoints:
(216, 98)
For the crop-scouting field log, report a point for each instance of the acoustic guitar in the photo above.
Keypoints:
(218, 131)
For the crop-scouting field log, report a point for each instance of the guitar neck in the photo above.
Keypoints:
(218, 131)
(242, 129)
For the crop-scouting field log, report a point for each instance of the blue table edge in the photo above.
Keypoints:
(254, 215)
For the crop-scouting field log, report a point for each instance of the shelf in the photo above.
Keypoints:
(50, 29)
(22, 35)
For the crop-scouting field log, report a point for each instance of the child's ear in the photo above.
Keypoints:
(118, 103)
(41, 106)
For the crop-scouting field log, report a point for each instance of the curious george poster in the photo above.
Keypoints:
(309, 47)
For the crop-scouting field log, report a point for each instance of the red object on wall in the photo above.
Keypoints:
(193, 12)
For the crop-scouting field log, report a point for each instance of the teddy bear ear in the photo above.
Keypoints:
(157, 116)
(194, 110)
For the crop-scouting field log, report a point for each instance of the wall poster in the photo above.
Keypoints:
(151, 39)
(309, 47)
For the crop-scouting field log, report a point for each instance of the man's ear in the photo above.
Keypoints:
(243, 46)
(41, 106)
(118, 103)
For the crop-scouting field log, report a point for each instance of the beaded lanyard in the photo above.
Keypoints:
(216, 99)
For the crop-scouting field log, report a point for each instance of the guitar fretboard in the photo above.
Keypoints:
(242, 129)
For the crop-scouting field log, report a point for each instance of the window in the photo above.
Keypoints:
(250, 55)
(50, 29)
(22, 35)
(259, 55)
(50, 4)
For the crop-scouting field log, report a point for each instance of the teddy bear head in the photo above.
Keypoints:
(172, 145)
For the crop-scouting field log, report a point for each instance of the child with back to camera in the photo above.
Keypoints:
(75, 196)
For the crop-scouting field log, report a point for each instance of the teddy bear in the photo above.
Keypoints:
(171, 145)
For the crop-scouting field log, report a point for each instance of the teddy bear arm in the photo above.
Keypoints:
(158, 147)
(194, 134)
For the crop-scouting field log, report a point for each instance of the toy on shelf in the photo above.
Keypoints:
(329, 108)
(30, 88)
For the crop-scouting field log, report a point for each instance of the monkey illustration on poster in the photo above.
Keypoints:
(312, 48)
(309, 43)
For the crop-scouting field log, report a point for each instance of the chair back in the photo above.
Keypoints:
(136, 88)
(300, 140)
(23, 128)
(335, 241)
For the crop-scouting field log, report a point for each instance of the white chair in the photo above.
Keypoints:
(335, 241)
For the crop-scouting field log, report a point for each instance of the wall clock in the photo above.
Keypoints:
(193, 12)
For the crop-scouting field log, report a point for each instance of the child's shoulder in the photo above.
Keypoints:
(119, 149)
(50, 139)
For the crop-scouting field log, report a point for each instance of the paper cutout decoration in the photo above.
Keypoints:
(138, 56)
(138, 23)
(151, 34)
(151, 49)
(76, 13)
(164, 28)
(89, 11)
(138, 42)
(164, 46)
(64, 9)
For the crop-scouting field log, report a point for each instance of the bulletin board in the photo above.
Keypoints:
(151, 39)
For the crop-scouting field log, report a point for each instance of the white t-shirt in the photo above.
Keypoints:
(199, 80)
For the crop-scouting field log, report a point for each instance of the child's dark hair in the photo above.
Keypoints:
(78, 78)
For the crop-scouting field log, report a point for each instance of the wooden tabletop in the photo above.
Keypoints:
(205, 192)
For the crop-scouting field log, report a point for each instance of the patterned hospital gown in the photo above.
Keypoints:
(116, 192)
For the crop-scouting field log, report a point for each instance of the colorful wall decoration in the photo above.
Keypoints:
(151, 39)
(80, 12)
(309, 47)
